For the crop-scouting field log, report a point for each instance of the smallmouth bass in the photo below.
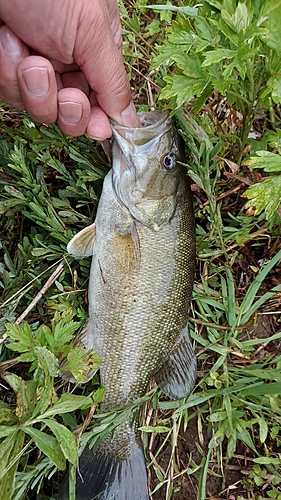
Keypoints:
(142, 245)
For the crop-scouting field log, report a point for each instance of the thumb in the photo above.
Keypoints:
(98, 56)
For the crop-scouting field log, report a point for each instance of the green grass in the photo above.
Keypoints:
(49, 188)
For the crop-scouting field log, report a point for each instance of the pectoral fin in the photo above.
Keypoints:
(177, 375)
(82, 244)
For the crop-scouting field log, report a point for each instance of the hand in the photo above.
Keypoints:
(61, 61)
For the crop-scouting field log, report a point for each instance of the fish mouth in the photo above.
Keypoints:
(154, 125)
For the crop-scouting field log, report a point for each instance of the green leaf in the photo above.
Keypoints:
(267, 460)
(238, 20)
(263, 429)
(245, 436)
(99, 394)
(48, 445)
(263, 389)
(67, 403)
(65, 438)
(188, 11)
(47, 361)
(215, 56)
(273, 15)
(46, 396)
(276, 90)
(81, 363)
(178, 86)
(20, 388)
(157, 428)
(7, 430)
(22, 335)
(7, 415)
(10, 454)
(270, 162)
(265, 195)
(63, 332)
(255, 285)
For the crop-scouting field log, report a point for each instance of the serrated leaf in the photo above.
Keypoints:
(81, 362)
(240, 19)
(268, 161)
(265, 195)
(22, 335)
(49, 445)
(63, 332)
(191, 66)
(65, 438)
(179, 86)
(217, 55)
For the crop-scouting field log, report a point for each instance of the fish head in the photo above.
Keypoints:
(146, 173)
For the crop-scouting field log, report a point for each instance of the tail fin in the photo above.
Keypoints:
(102, 477)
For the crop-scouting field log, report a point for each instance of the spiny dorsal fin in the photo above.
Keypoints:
(82, 244)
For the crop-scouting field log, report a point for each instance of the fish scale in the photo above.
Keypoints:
(143, 256)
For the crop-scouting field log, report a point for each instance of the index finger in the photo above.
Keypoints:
(98, 56)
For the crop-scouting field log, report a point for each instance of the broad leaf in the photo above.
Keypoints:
(67, 403)
(10, 450)
(65, 438)
(48, 445)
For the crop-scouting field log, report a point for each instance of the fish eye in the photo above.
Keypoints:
(169, 162)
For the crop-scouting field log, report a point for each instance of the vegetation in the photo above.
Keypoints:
(219, 67)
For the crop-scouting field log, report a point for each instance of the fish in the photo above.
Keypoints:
(142, 245)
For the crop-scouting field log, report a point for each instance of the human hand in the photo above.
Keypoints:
(61, 61)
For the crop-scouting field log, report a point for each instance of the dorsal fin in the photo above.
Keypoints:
(82, 244)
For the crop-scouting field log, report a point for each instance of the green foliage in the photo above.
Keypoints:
(50, 346)
(37, 402)
(231, 47)
(265, 195)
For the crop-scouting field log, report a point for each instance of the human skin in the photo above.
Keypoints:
(61, 61)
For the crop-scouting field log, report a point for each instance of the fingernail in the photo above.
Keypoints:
(37, 81)
(70, 112)
(10, 42)
(129, 116)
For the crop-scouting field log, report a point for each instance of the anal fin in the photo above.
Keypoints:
(177, 375)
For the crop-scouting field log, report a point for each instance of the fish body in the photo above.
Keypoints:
(143, 256)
